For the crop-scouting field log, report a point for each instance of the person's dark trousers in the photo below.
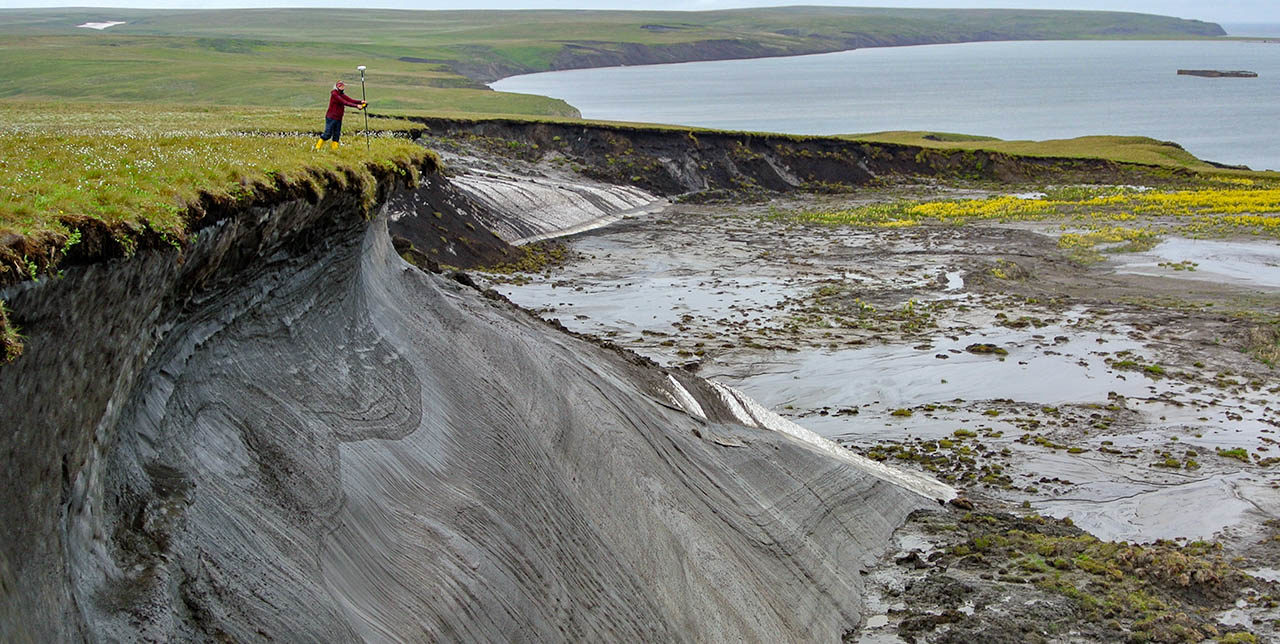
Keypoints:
(332, 130)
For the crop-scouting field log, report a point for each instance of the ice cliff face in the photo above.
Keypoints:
(287, 432)
(524, 209)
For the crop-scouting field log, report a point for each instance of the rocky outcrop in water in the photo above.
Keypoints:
(283, 431)
(1217, 73)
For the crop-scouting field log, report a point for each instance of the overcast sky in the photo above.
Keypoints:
(1214, 11)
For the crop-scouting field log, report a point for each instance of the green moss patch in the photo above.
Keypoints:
(533, 258)
(986, 348)
(1238, 453)
(1160, 592)
(1264, 343)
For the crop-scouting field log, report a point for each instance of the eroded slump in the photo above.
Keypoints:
(325, 443)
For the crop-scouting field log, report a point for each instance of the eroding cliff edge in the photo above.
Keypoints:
(284, 431)
(710, 164)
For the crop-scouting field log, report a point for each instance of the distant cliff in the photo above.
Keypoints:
(792, 31)
(709, 164)
(483, 46)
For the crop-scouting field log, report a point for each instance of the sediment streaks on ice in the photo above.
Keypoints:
(530, 209)
(684, 399)
(752, 413)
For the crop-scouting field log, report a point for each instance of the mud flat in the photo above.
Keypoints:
(1113, 397)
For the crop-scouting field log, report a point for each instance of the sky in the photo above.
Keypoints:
(1228, 11)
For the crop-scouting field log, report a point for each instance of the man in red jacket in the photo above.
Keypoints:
(338, 102)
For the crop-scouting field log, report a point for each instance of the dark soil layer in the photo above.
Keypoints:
(435, 224)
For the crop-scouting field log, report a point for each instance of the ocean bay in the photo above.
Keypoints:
(1009, 90)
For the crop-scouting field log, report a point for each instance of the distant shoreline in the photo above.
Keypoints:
(866, 92)
(1269, 31)
(1226, 38)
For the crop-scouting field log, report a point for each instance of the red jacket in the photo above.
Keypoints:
(337, 104)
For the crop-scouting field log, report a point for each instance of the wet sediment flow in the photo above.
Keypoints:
(1066, 388)
(1121, 397)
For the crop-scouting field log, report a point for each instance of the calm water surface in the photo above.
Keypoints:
(1010, 90)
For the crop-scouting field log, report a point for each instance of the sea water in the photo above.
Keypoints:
(1010, 90)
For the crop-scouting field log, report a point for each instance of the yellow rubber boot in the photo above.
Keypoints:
(319, 142)
(333, 145)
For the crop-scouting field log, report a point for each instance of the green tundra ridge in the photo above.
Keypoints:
(435, 61)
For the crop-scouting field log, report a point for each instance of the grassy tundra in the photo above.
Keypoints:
(431, 60)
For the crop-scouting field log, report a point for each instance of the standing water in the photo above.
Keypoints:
(1009, 90)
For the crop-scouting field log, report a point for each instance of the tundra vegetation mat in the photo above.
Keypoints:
(131, 170)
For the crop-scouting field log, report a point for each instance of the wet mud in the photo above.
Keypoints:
(1124, 396)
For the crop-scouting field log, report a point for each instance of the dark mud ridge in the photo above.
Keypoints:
(285, 432)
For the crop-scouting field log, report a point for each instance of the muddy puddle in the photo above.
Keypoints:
(1049, 392)
(652, 294)
(1255, 264)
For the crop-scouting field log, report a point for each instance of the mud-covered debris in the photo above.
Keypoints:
(997, 577)
(986, 348)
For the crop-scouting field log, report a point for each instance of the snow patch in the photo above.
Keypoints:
(753, 414)
(551, 208)
(100, 25)
(684, 399)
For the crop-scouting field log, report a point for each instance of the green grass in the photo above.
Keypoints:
(510, 32)
(118, 68)
(24, 117)
(1160, 592)
(142, 166)
(1237, 453)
